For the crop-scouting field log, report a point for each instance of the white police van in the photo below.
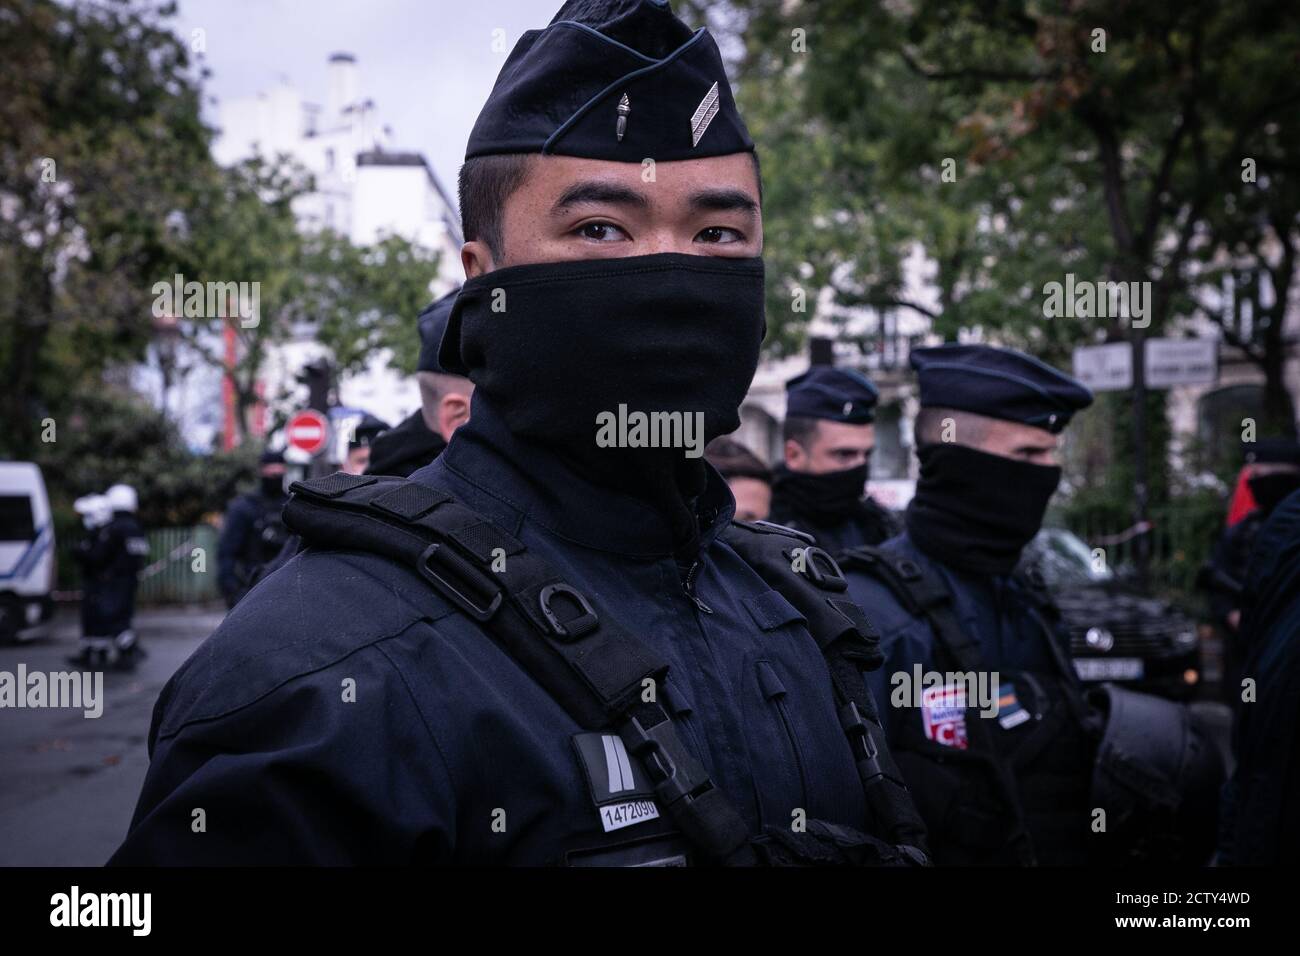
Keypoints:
(26, 553)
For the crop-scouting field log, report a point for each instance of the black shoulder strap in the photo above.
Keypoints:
(602, 676)
(923, 592)
(808, 577)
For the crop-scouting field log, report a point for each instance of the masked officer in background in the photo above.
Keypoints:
(1009, 763)
(111, 557)
(253, 531)
(829, 436)
(549, 648)
(1274, 474)
(1260, 823)
(444, 404)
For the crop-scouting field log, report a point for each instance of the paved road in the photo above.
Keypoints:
(69, 783)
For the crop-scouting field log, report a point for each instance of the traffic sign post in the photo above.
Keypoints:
(308, 431)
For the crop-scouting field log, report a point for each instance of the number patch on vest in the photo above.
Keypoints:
(617, 782)
(943, 715)
(620, 815)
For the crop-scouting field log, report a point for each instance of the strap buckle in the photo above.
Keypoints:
(573, 629)
(832, 579)
(675, 773)
(865, 752)
(454, 576)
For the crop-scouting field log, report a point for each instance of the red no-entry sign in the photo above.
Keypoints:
(308, 431)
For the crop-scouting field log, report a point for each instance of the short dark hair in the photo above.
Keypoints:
(800, 428)
(928, 429)
(734, 460)
(486, 182)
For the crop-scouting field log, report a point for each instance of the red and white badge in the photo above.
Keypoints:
(943, 714)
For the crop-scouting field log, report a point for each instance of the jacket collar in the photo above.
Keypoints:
(507, 478)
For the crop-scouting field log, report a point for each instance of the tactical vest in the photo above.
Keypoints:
(599, 672)
(1018, 790)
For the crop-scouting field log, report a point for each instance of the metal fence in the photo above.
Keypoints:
(182, 566)
(1180, 541)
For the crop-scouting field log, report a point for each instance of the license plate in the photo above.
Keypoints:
(1109, 668)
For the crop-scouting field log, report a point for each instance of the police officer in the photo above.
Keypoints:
(444, 404)
(1274, 465)
(829, 436)
(985, 714)
(748, 478)
(111, 557)
(96, 638)
(253, 531)
(1260, 824)
(547, 647)
(357, 458)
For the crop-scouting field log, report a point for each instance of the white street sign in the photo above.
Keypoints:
(1105, 368)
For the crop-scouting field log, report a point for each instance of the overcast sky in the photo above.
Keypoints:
(427, 64)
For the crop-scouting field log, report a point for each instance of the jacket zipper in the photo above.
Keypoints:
(688, 585)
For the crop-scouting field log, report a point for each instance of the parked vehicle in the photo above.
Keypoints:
(27, 569)
(1115, 633)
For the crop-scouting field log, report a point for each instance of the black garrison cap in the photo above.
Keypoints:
(1000, 383)
(620, 80)
(833, 394)
(433, 325)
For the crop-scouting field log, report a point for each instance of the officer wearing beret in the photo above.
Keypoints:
(444, 404)
(552, 651)
(982, 706)
(829, 436)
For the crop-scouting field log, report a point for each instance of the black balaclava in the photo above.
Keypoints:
(975, 511)
(273, 486)
(825, 499)
(552, 347)
(1271, 489)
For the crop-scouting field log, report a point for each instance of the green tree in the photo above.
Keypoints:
(100, 143)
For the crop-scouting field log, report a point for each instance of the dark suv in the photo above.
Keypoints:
(1116, 635)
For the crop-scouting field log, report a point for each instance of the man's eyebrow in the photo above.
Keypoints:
(598, 192)
(724, 200)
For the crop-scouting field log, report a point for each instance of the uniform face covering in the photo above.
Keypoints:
(556, 348)
(826, 498)
(975, 511)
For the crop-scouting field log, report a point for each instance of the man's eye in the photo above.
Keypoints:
(601, 232)
(719, 234)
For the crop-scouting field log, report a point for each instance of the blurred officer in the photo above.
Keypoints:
(748, 478)
(1260, 822)
(96, 638)
(444, 404)
(829, 437)
(111, 557)
(1274, 465)
(358, 453)
(1003, 769)
(253, 531)
(548, 646)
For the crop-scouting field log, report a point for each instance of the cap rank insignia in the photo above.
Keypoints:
(704, 114)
